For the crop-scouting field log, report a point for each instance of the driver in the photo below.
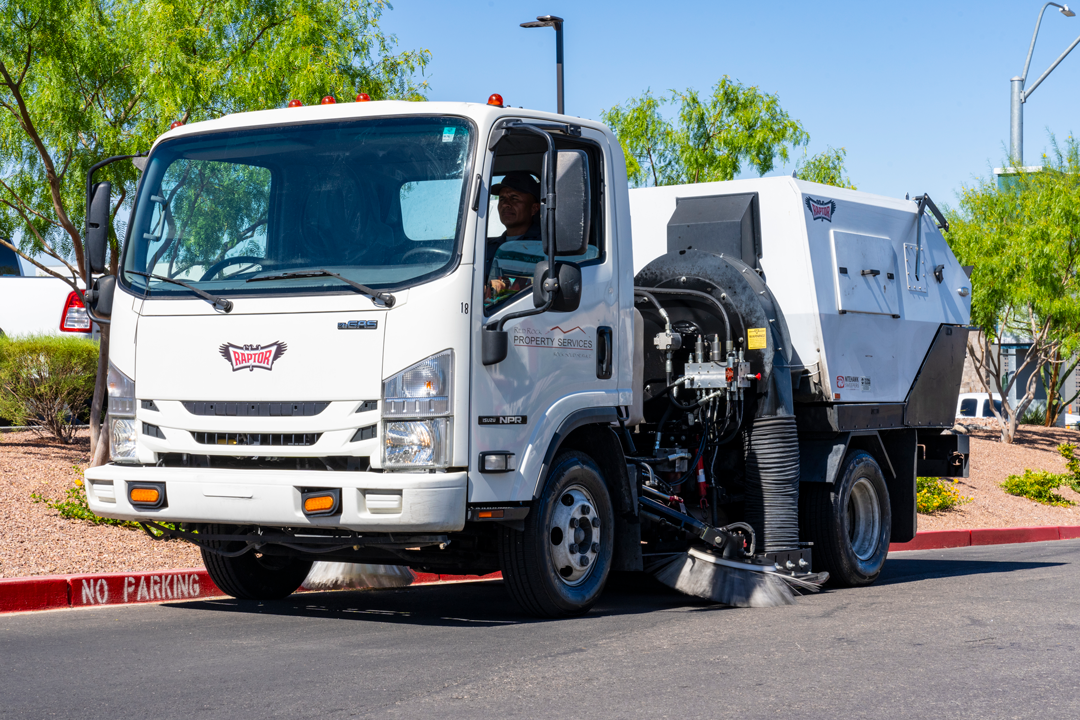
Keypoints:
(519, 212)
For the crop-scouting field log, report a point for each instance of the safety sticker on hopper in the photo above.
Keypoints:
(755, 339)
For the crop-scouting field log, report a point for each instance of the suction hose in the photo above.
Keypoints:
(771, 446)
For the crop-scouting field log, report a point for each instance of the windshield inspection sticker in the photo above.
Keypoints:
(252, 356)
(448, 134)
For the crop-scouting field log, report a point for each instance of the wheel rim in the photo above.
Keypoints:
(864, 518)
(574, 535)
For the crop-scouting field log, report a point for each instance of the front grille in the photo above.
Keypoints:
(257, 439)
(254, 409)
(226, 462)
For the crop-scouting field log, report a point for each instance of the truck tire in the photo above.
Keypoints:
(849, 522)
(558, 566)
(252, 576)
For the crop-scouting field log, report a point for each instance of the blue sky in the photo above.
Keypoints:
(917, 92)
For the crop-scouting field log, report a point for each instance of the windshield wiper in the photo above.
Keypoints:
(385, 298)
(220, 304)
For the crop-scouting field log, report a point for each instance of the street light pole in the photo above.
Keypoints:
(557, 23)
(1019, 95)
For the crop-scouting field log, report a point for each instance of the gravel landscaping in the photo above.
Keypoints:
(35, 540)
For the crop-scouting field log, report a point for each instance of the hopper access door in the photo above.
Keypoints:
(865, 273)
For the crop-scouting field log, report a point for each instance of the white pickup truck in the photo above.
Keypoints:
(37, 305)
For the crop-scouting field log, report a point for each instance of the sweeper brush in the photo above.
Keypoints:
(705, 575)
(342, 576)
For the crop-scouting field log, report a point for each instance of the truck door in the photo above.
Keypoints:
(557, 362)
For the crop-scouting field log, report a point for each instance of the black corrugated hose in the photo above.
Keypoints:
(771, 447)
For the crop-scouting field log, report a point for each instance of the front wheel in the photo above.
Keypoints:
(849, 522)
(558, 566)
(252, 576)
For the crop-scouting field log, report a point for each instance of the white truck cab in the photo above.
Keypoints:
(307, 359)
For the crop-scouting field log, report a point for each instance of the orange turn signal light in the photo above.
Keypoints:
(318, 503)
(145, 495)
(493, 514)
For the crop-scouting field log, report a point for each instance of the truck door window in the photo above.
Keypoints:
(510, 262)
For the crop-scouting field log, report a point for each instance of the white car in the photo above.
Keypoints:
(977, 405)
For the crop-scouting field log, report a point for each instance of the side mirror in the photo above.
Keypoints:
(494, 346)
(568, 294)
(574, 202)
(97, 226)
(100, 296)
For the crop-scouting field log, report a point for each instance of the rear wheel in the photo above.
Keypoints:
(252, 576)
(849, 522)
(558, 566)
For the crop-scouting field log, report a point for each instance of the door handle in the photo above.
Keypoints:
(603, 353)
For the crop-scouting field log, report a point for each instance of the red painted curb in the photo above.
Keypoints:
(940, 539)
(34, 593)
(1003, 536)
(934, 540)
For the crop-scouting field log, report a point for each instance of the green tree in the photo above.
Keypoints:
(1023, 239)
(81, 80)
(826, 167)
(712, 139)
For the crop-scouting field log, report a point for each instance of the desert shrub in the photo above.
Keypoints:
(1068, 451)
(1037, 485)
(47, 382)
(75, 507)
(936, 494)
(1034, 415)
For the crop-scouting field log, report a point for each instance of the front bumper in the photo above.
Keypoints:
(370, 502)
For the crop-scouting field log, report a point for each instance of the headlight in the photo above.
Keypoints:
(122, 441)
(122, 438)
(121, 393)
(422, 390)
(416, 443)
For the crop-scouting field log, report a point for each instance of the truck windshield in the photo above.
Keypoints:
(379, 202)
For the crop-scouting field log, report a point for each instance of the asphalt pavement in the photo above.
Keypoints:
(976, 632)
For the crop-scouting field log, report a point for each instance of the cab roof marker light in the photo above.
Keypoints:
(495, 99)
(327, 100)
(363, 97)
(295, 103)
(175, 124)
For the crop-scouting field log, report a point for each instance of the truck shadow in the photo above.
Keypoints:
(470, 604)
(904, 570)
(488, 604)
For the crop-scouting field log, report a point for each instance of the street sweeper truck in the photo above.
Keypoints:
(449, 337)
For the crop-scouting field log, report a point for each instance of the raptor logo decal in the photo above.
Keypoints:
(821, 209)
(252, 356)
